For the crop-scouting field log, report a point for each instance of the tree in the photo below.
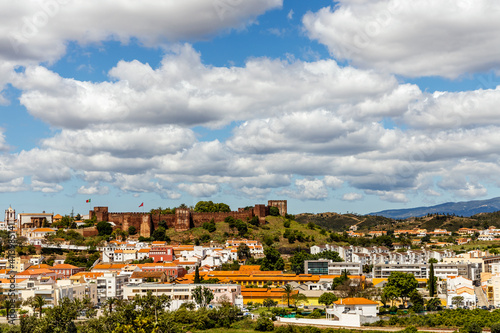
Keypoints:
(244, 251)
(298, 299)
(327, 299)
(433, 303)
(37, 303)
(404, 283)
(274, 211)
(202, 296)
(272, 260)
(297, 261)
(196, 275)
(210, 207)
(391, 293)
(159, 234)
(432, 281)
(457, 301)
(132, 230)
(269, 303)
(340, 280)
(8, 304)
(417, 301)
(433, 261)
(104, 228)
(110, 302)
(288, 290)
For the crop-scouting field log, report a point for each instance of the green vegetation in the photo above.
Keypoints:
(459, 318)
(400, 285)
(210, 207)
(104, 228)
(272, 260)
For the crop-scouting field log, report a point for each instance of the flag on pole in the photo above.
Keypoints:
(88, 201)
(142, 204)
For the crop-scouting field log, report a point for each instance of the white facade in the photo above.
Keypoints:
(110, 285)
(182, 293)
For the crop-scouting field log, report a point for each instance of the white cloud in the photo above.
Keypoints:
(93, 189)
(307, 189)
(44, 187)
(39, 30)
(333, 182)
(352, 196)
(200, 190)
(14, 185)
(411, 38)
(290, 14)
(124, 141)
(185, 92)
(390, 196)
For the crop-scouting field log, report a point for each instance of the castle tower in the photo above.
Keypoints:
(280, 204)
(183, 219)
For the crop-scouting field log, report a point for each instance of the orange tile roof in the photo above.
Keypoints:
(44, 230)
(88, 275)
(144, 250)
(36, 271)
(64, 266)
(41, 266)
(355, 301)
(109, 266)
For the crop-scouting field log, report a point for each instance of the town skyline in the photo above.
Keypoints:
(348, 106)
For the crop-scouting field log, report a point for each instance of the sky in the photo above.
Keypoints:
(349, 106)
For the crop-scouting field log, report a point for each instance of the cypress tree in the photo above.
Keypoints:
(197, 275)
(432, 281)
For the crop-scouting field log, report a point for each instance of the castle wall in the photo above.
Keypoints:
(183, 219)
(170, 219)
(200, 218)
(87, 232)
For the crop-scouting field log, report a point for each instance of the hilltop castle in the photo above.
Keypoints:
(183, 219)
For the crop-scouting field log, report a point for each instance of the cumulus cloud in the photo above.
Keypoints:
(199, 190)
(352, 196)
(390, 196)
(93, 189)
(124, 141)
(185, 92)
(411, 38)
(39, 30)
(307, 189)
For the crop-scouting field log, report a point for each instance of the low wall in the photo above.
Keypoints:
(323, 322)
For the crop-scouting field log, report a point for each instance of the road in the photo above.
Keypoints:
(481, 297)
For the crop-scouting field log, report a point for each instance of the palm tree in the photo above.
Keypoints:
(8, 304)
(110, 302)
(288, 290)
(38, 303)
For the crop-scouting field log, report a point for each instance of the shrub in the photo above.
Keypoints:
(495, 328)
(471, 327)
(264, 325)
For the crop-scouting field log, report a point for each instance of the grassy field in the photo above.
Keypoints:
(274, 227)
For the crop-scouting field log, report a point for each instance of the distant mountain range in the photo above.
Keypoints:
(464, 208)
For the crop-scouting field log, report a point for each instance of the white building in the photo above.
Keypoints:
(182, 293)
(110, 285)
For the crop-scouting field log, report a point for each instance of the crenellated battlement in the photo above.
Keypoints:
(183, 219)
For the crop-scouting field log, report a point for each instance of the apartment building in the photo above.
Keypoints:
(182, 293)
(420, 271)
